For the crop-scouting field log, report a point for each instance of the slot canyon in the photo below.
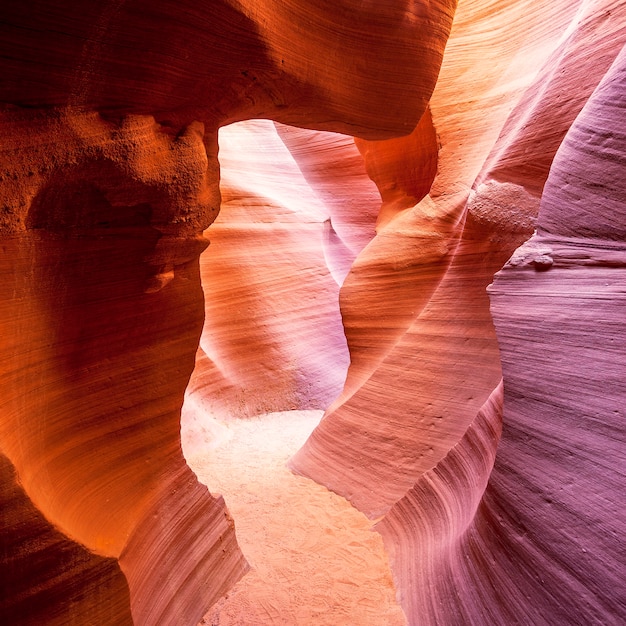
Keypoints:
(313, 313)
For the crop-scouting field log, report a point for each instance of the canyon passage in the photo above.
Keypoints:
(409, 216)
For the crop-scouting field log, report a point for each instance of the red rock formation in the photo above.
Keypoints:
(109, 172)
(109, 175)
(103, 311)
(414, 304)
(72, 585)
(543, 546)
(350, 66)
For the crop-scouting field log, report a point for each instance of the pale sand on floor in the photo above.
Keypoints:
(314, 559)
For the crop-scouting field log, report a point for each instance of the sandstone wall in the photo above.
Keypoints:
(478, 425)
(108, 159)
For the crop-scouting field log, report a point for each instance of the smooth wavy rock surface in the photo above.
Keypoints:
(559, 308)
(405, 413)
(77, 585)
(273, 336)
(109, 112)
(101, 314)
(345, 275)
(543, 545)
(424, 355)
(440, 509)
(359, 68)
(103, 467)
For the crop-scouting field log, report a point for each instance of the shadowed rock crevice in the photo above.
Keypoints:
(61, 208)
(48, 579)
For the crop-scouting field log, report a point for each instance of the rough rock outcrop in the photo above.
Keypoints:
(102, 311)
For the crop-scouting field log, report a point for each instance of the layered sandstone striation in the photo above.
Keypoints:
(559, 309)
(101, 303)
(419, 409)
(480, 426)
(414, 305)
(108, 130)
(301, 226)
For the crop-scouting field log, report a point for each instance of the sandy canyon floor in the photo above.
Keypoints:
(314, 559)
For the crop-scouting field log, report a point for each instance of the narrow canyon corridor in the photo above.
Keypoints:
(314, 558)
(219, 218)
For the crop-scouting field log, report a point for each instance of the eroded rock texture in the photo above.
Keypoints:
(421, 415)
(301, 205)
(372, 255)
(108, 165)
(559, 311)
(543, 546)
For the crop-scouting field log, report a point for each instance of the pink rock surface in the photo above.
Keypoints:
(349, 276)
(558, 307)
(388, 415)
(414, 305)
(273, 336)
(431, 561)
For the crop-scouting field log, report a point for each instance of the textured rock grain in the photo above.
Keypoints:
(561, 336)
(349, 276)
(108, 163)
(423, 352)
(408, 404)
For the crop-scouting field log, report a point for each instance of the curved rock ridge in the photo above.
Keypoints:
(273, 336)
(389, 426)
(385, 56)
(423, 352)
(387, 415)
(78, 585)
(552, 511)
(350, 276)
(349, 66)
(100, 268)
(334, 169)
(439, 509)
(100, 468)
(538, 123)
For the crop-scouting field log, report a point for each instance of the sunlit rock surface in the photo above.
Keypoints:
(414, 305)
(291, 224)
(346, 275)
(410, 413)
(109, 172)
(325, 566)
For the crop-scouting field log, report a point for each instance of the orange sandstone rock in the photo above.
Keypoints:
(108, 158)
(110, 178)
